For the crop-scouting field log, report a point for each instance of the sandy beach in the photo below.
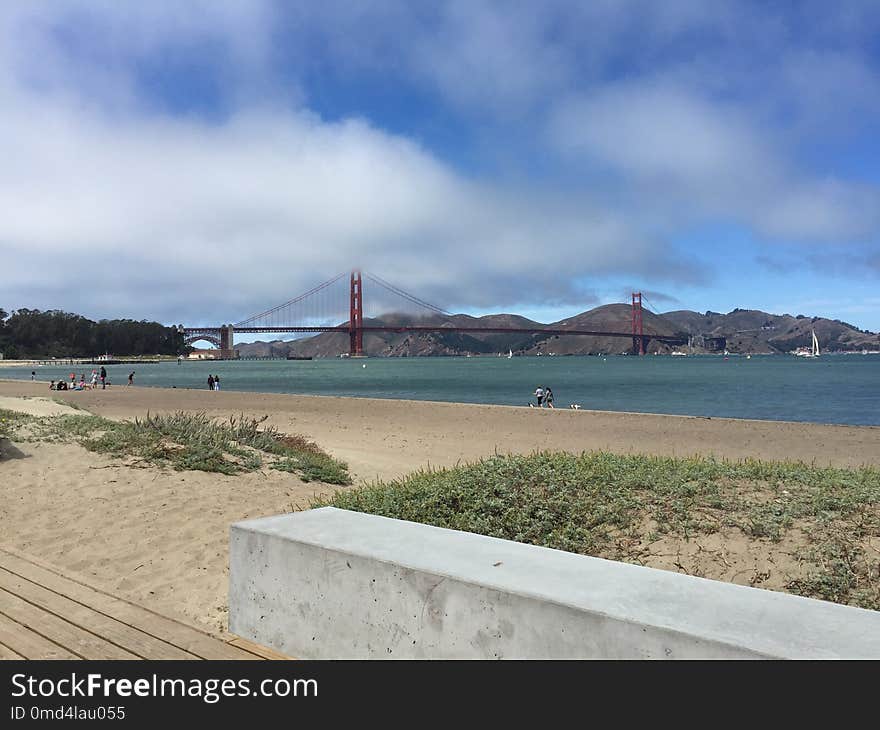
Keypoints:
(159, 537)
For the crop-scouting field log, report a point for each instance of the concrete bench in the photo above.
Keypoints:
(329, 583)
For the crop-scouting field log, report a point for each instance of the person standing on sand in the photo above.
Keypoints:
(131, 378)
(216, 382)
(539, 394)
(548, 397)
(33, 374)
(210, 382)
(103, 378)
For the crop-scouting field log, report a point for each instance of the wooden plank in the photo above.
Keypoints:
(29, 644)
(190, 639)
(137, 642)
(258, 649)
(59, 631)
(6, 654)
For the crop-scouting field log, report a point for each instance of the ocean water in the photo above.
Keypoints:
(831, 389)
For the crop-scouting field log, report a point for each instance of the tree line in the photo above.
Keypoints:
(30, 333)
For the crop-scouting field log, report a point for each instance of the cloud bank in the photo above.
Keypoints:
(199, 162)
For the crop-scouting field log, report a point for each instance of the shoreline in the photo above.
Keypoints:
(387, 438)
(159, 537)
(412, 402)
(64, 362)
(171, 358)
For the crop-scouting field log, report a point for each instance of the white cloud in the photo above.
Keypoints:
(265, 199)
(178, 218)
(684, 157)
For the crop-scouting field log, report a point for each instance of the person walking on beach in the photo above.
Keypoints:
(548, 397)
(216, 382)
(210, 382)
(131, 378)
(539, 394)
(33, 374)
(103, 378)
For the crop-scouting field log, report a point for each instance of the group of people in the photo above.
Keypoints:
(82, 384)
(213, 382)
(544, 396)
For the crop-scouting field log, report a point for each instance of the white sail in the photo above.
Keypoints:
(815, 345)
(509, 354)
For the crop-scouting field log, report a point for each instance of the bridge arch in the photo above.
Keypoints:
(191, 339)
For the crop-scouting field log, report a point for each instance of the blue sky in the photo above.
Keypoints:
(198, 162)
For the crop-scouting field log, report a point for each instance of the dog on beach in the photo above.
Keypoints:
(575, 406)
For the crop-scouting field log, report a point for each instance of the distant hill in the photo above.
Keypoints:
(752, 331)
(607, 318)
(610, 317)
(746, 331)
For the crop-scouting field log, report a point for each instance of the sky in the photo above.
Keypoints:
(199, 162)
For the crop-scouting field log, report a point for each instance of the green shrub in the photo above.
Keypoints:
(588, 503)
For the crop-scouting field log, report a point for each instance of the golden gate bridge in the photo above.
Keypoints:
(298, 315)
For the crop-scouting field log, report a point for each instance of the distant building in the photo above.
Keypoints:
(204, 355)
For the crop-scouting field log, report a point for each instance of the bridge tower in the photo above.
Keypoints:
(638, 332)
(356, 316)
(227, 349)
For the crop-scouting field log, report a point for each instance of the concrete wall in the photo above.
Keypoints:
(329, 583)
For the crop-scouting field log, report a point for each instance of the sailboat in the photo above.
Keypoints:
(812, 351)
(509, 354)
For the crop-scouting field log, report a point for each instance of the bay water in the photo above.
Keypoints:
(843, 389)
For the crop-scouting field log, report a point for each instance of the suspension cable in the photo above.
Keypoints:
(295, 300)
(406, 295)
(651, 308)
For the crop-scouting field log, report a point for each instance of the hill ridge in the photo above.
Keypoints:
(741, 331)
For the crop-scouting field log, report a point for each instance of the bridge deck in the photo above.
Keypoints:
(195, 333)
(47, 615)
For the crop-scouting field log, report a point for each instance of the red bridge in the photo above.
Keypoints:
(300, 314)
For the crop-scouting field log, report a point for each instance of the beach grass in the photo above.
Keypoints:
(619, 506)
(70, 404)
(182, 441)
(11, 422)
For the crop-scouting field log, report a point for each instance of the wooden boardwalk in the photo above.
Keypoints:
(47, 615)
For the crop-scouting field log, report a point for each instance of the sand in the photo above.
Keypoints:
(36, 406)
(159, 537)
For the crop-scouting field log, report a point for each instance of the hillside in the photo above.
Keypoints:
(610, 317)
(407, 344)
(753, 331)
(607, 318)
(746, 331)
